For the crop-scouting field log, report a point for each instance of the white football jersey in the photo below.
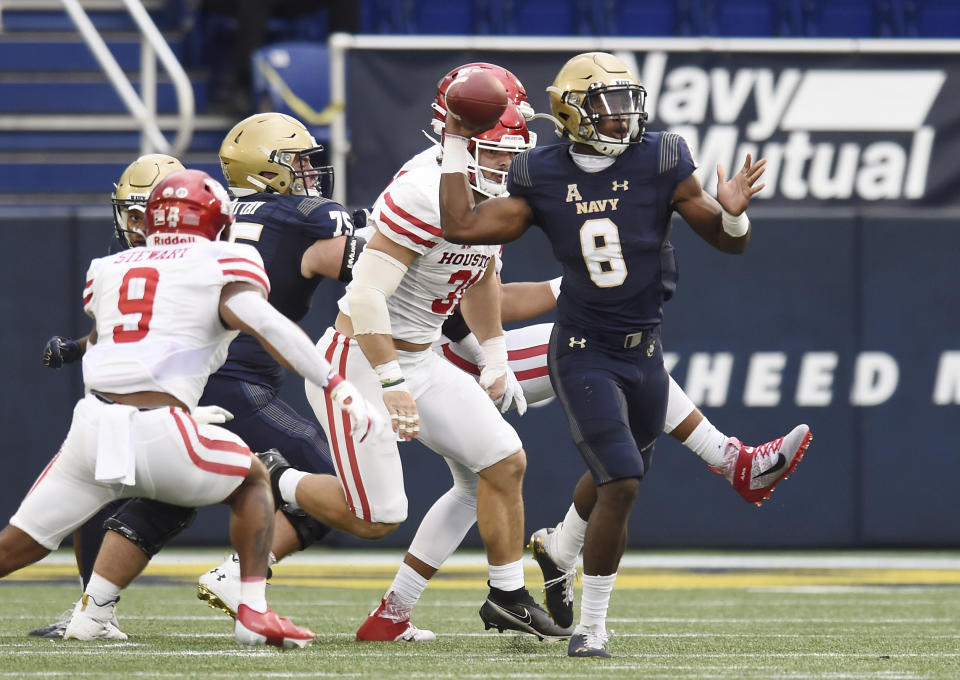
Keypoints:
(156, 313)
(408, 213)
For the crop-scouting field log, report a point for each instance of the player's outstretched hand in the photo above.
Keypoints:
(59, 351)
(211, 415)
(734, 195)
(456, 126)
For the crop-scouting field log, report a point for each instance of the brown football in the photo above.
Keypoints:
(477, 99)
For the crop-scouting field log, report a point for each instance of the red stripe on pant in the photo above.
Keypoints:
(206, 465)
(350, 450)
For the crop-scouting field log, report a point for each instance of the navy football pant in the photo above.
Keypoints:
(615, 400)
(264, 421)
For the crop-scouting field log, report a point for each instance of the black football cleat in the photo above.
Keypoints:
(557, 584)
(522, 614)
(589, 641)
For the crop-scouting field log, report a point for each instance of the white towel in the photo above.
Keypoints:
(116, 461)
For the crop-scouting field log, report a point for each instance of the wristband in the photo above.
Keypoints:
(495, 350)
(735, 225)
(555, 286)
(397, 385)
(455, 155)
(389, 372)
(333, 380)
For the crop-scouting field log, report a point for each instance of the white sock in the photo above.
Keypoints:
(407, 586)
(253, 593)
(101, 590)
(506, 576)
(679, 406)
(288, 485)
(568, 539)
(708, 442)
(595, 600)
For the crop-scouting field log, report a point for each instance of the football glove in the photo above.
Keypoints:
(512, 395)
(59, 351)
(211, 415)
(364, 418)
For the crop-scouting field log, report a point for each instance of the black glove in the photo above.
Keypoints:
(360, 218)
(59, 351)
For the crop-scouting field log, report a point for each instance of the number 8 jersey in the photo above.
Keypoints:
(156, 314)
(408, 213)
(609, 229)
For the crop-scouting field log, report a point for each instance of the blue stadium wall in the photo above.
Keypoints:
(804, 306)
(842, 314)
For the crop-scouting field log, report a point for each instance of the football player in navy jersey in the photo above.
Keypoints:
(605, 202)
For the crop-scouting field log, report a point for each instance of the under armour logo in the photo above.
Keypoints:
(651, 348)
(581, 343)
(617, 186)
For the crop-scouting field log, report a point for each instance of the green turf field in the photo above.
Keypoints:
(686, 616)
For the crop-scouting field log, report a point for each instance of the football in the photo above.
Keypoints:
(477, 98)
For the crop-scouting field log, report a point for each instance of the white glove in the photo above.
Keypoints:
(512, 395)
(364, 418)
(211, 415)
(469, 348)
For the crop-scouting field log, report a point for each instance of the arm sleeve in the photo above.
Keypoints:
(283, 335)
(375, 278)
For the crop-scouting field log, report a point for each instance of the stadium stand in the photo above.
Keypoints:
(48, 75)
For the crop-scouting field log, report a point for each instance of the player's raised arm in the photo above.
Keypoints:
(721, 222)
(495, 220)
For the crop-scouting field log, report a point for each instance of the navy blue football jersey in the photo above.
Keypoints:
(609, 229)
(281, 227)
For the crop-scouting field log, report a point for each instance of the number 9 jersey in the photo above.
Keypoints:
(156, 315)
(609, 229)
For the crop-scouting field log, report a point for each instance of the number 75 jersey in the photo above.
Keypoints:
(156, 311)
(609, 229)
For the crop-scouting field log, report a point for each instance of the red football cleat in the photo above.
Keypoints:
(254, 628)
(757, 470)
(391, 623)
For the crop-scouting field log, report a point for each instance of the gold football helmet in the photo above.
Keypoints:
(597, 101)
(131, 191)
(273, 153)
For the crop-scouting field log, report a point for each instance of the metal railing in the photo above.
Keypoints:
(153, 47)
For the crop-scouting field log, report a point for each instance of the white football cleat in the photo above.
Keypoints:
(220, 587)
(92, 621)
(754, 471)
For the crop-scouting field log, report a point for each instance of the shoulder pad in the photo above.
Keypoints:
(669, 151)
(520, 169)
(311, 203)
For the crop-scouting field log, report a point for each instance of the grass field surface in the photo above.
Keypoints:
(673, 615)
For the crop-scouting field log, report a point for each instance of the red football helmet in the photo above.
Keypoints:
(188, 206)
(506, 139)
(516, 94)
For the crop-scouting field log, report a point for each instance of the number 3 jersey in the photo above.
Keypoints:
(156, 314)
(408, 213)
(609, 229)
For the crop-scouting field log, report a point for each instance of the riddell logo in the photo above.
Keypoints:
(172, 239)
(856, 134)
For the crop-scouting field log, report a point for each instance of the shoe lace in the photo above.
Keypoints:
(766, 452)
(395, 612)
(595, 637)
(567, 579)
